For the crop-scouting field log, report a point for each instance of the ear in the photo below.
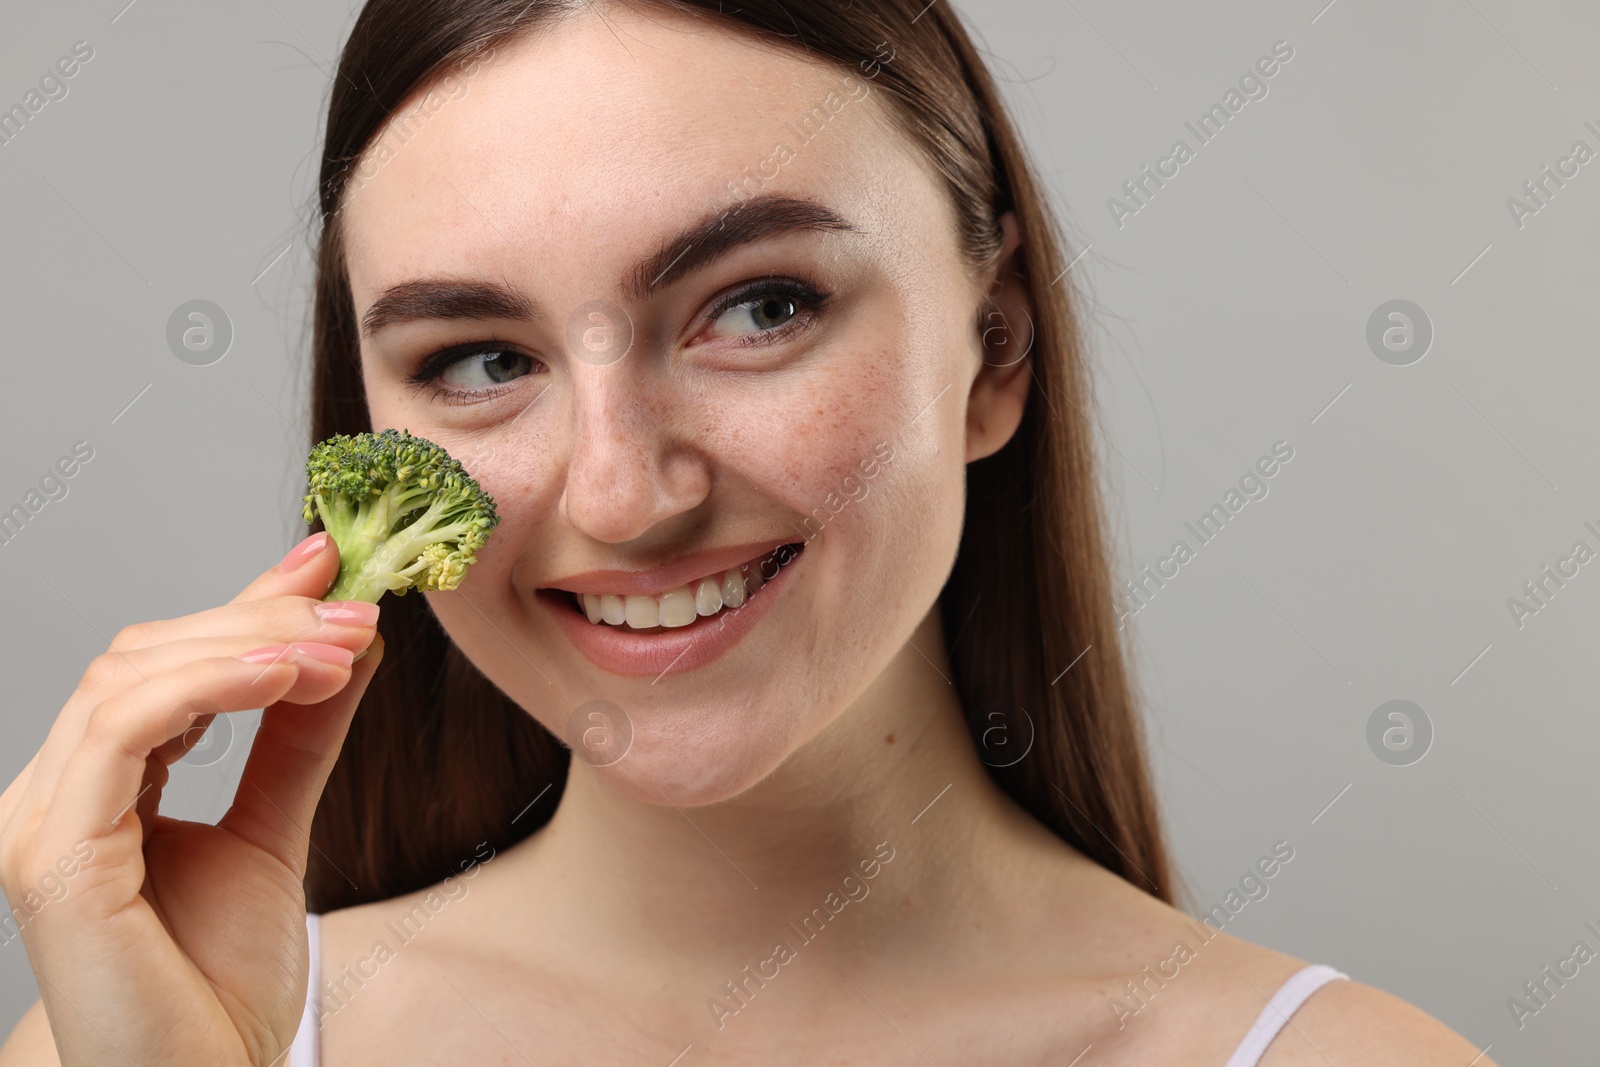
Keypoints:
(1005, 328)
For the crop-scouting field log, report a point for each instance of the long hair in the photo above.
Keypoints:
(438, 759)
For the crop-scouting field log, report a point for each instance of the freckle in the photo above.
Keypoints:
(889, 739)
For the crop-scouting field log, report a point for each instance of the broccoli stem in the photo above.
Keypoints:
(377, 560)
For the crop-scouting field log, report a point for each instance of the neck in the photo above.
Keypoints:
(889, 802)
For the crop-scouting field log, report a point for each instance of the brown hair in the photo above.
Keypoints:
(438, 759)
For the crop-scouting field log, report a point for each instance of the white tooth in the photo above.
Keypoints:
(591, 606)
(612, 609)
(733, 591)
(677, 607)
(708, 597)
(643, 612)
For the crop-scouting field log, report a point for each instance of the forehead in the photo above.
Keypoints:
(597, 134)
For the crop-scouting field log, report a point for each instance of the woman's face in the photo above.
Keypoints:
(677, 300)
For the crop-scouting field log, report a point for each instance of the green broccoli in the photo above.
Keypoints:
(404, 513)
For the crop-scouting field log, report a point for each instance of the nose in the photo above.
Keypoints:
(632, 464)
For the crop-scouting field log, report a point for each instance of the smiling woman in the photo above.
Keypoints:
(672, 706)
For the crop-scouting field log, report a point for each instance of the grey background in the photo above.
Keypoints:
(1227, 315)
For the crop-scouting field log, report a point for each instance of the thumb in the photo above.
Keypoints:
(290, 760)
(308, 570)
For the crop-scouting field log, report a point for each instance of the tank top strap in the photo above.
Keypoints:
(1275, 1014)
(305, 1052)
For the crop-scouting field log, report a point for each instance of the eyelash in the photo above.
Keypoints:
(803, 295)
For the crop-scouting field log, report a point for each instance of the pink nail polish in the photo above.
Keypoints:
(302, 552)
(348, 612)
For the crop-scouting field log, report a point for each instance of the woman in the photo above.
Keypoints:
(753, 325)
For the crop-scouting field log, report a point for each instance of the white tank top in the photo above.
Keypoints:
(305, 1051)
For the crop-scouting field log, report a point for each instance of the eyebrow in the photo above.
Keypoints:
(696, 246)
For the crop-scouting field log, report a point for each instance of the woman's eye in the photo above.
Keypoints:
(485, 368)
(768, 314)
(454, 377)
(765, 312)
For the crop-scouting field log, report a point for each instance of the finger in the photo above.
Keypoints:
(291, 616)
(308, 569)
(286, 620)
(324, 670)
(288, 767)
(116, 672)
(102, 778)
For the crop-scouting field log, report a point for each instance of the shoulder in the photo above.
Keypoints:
(1348, 1021)
(362, 930)
(1342, 1021)
(390, 960)
(30, 1044)
(1177, 989)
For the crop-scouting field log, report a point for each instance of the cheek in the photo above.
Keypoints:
(805, 448)
(868, 466)
(808, 437)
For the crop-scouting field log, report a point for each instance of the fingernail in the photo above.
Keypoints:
(269, 653)
(302, 552)
(348, 612)
(326, 653)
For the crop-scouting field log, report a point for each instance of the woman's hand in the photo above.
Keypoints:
(157, 941)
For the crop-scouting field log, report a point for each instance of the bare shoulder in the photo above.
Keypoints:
(1343, 1021)
(380, 962)
(1180, 989)
(30, 1043)
(1356, 1023)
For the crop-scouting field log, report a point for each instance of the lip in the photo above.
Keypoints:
(632, 654)
(659, 580)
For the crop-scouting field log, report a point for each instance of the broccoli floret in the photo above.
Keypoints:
(404, 514)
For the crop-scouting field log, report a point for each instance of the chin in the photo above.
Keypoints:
(721, 756)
